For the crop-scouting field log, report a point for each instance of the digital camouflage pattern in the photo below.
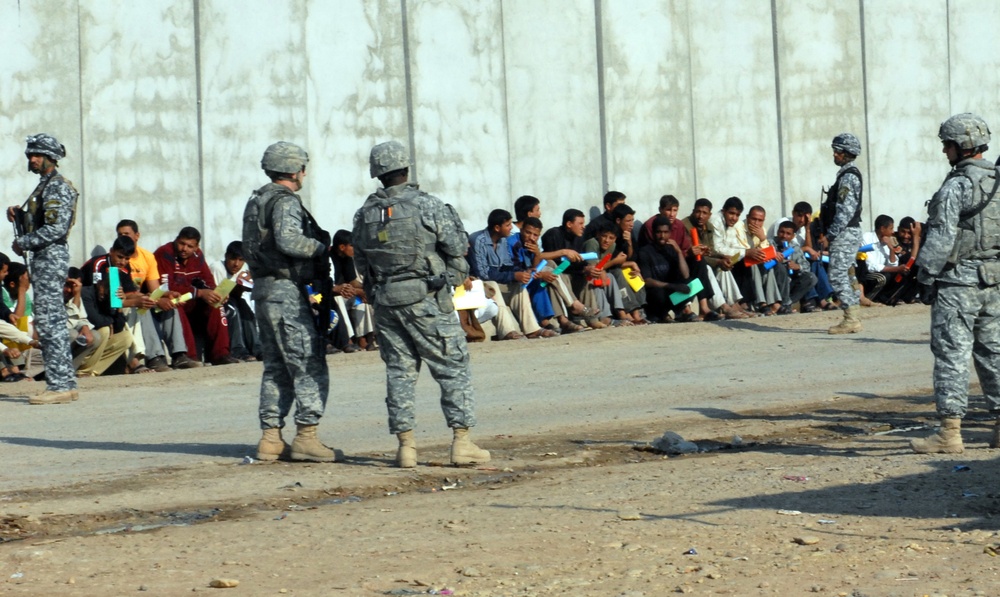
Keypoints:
(284, 157)
(845, 239)
(295, 369)
(425, 330)
(965, 316)
(965, 320)
(848, 143)
(47, 145)
(957, 246)
(48, 264)
(388, 157)
(967, 130)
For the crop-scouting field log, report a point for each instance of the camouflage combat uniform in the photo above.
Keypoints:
(282, 244)
(51, 208)
(960, 258)
(410, 246)
(844, 235)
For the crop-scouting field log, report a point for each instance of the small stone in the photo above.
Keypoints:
(71, 581)
(224, 583)
(471, 572)
(806, 540)
(282, 590)
(630, 515)
(840, 547)
(143, 588)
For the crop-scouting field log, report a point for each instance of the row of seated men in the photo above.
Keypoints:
(166, 315)
(171, 310)
(708, 266)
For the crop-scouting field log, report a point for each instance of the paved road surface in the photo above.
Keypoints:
(125, 424)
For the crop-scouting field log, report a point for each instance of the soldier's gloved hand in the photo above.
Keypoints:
(928, 293)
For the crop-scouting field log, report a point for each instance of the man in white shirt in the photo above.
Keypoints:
(883, 259)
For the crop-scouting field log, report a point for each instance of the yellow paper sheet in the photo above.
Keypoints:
(472, 299)
(635, 282)
(223, 290)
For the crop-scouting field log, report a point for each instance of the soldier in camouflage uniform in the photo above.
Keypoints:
(410, 249)
(283, 248)
(43, 227)
(841, 214)
(960, 263)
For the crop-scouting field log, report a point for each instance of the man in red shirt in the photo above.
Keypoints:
(187, 271)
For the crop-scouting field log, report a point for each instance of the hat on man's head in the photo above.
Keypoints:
(47, 145)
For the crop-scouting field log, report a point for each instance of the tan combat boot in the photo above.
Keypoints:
(272, 447)
(849, 325)
(995, 438)
(463, 451)
(406, 455)
(306, 446)
(948, 440)
(53, 397)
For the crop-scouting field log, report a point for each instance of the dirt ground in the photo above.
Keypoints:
(806, 497)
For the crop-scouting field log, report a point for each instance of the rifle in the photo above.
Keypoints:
(23, 224)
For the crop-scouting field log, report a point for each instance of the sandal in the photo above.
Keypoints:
(572, 328)
(142, 369)
(622, 323)
(13, 377)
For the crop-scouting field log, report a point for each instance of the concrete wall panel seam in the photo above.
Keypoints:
(411, 133)
(601, 107)
(777, 105)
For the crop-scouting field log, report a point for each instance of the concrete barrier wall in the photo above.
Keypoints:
(166, 106)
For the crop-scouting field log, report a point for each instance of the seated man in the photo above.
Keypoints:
(186, 270)
(490, 260)
(821, 294)
(904, 288)
(605, 283)
(525, 207)
(352, 304)
(84, 339)
(109, 321)
(725, 293)
(768, 282)
(665, 272)
(800, 280)
(612, 199)
(152, 329)
(882, 261)
(731, 244)
(669, 206)
(13, 337)
(570, 293)
(526, 255)
(243, 343)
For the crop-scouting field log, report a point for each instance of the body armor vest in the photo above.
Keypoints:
(978, 235)
(829, 209)
(32, 214)
(401, 253)
(262, 254)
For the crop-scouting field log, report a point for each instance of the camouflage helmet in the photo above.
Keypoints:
(847, 143)
(967, 130)
(47, 145)
(284, 157)
(388, 157)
